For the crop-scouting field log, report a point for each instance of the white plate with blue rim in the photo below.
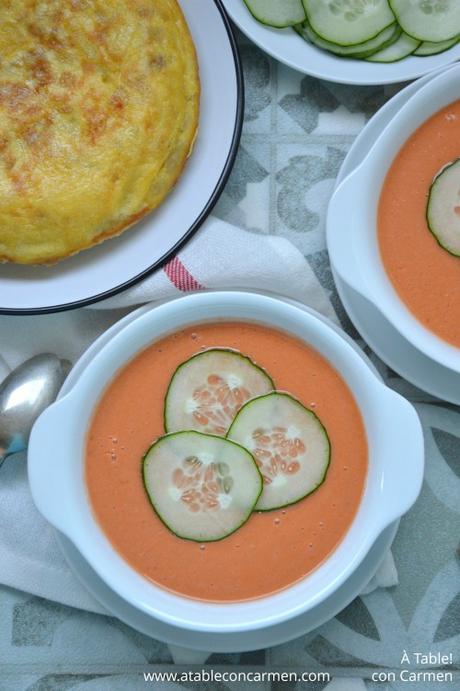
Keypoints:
(289, 48)
(381, 336)
(227, 643)
(119, 263)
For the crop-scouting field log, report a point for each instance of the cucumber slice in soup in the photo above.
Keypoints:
(289, 443)
(206, 391)
(428, 20)
(443, 209)
(404, 46)
(348, 22)
(276, 13)
(360, 50)
(429, 48)
(202, 487)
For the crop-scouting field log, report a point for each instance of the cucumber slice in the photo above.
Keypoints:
(289, 443)
(443, 208)
(360, 50)
(202, 487)
(206, 391)
(428, 48)
(276, 13)
(428, 20)
(348, 22)
(404, 46)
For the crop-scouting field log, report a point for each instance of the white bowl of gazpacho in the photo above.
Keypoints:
(226, 461)
(393, 224)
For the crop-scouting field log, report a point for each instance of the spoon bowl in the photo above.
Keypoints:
(24, 395)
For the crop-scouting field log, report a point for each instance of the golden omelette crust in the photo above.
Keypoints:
(99, 107)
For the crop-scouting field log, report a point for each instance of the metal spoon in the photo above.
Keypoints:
(24, 395)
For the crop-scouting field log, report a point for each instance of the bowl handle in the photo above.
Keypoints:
(339, 232)
(49, 469)
(403, 454)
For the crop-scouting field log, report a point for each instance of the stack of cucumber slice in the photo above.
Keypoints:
(233, 445)
(379, 31)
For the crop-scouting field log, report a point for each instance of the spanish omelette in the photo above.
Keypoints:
(99, 106)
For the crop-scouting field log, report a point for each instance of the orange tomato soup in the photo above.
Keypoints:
(272, 550)
(426, 276)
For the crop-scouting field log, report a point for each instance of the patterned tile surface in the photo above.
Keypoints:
(297, 132)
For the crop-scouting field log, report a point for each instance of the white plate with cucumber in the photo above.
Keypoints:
(354, 41)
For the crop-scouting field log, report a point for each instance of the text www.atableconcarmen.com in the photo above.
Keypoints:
(210, 675)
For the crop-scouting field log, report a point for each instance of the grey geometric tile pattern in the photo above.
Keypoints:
(297, 131)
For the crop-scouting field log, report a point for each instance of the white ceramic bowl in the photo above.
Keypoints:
(352, 219)
(56, 463)
(287, 47)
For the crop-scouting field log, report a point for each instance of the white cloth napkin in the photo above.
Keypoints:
(219, 256)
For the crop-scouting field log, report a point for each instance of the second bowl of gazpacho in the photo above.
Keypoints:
(394, 223)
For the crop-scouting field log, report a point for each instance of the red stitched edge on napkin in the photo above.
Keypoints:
(180, 276)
